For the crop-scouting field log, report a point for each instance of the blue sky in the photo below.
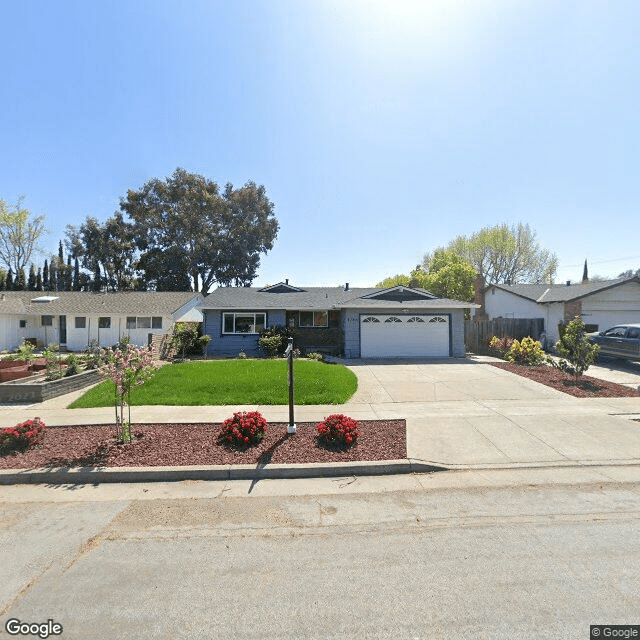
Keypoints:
(381, 130)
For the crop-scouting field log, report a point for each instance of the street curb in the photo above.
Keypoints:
(97, 475)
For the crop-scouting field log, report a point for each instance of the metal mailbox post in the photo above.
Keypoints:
(291, 428)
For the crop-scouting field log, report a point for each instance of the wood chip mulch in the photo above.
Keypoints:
(583, 387)
(196, 444)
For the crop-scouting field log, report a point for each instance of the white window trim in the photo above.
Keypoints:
(242, 313)
(314, 325)
(138, 323)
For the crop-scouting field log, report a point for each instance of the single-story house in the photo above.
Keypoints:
(74, 319)
(600, 304)
(356, 322)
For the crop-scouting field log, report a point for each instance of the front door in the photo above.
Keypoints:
(63, 329)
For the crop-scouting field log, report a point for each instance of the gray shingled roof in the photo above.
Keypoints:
(543, 293)
(88, 303)
(315, 298)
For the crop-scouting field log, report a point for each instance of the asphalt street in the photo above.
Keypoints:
(503, 557)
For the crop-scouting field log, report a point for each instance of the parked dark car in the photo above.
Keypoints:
(621, 341)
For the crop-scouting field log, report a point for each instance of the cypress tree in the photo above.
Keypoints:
(76, 276)
(3, 280)
(39, 279)
(45, 277)
(68, 275)
(53, 275)
(9, 280)
(32, 278)
(20, 283)
(96, 285)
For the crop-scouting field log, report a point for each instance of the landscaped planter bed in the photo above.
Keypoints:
(160, 445)
(583, 387)
(37, 389)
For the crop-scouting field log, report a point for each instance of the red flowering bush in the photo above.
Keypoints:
(338, 431)
(22, 436)
(245, 429)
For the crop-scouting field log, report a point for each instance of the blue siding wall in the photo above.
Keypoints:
(231, 345)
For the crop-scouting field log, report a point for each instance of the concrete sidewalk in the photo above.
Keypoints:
(461, 414)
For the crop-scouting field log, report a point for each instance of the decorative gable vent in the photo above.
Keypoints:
(281, 287)
(400, 294)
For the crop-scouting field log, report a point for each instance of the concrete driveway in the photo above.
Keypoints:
(468, 413)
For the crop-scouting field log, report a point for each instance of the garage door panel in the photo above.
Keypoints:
(387, 336)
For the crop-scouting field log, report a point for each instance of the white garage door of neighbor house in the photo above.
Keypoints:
(389, 336)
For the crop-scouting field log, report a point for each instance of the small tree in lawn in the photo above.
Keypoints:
(576, 348)
(126, 367)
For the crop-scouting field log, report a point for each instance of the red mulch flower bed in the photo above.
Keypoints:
(159, 445)
(583, 387)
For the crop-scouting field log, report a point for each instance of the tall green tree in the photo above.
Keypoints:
(106, 249)
(20, 233)
(450, 276)
(191, 232)
(45, 276)
(20, 283)
(32, 281)
(504, 254)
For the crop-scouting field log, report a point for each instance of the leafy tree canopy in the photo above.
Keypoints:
(504, 254)
(447, 276)
(106, 250)
(191, 232)
(20, 233)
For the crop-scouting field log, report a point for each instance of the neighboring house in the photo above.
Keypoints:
(358, 323)
(73, 319)
(600, 305)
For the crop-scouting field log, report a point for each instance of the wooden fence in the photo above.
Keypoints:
(478, 334)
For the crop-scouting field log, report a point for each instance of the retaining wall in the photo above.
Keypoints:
(40, 391)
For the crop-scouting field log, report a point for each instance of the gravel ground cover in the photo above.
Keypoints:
(583, 387)
(196, 444)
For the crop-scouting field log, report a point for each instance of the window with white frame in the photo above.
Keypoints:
(81, 322)
(243, 322)
(144, 322)
(47, 321)
(314, 319)
(104, 322)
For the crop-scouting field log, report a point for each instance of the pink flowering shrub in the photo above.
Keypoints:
(338, 431)
(22, 436)
(244, 429)
(126, 367)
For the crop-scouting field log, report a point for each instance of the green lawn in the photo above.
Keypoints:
(229, 382)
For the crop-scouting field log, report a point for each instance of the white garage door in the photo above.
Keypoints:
(389, 336)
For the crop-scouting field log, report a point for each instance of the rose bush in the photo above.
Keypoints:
(244, 429)
(22, 436)
(338, 430)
